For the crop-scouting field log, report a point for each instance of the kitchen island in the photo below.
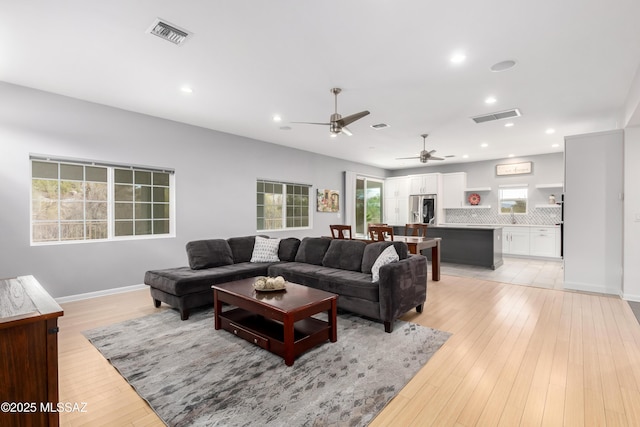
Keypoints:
(479, 245)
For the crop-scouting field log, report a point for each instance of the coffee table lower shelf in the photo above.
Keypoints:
(269, 334)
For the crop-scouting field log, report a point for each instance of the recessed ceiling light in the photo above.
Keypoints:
(465, 156)
(458, 58)
(555, 145)
(277, 118)
(186, 89)
(550, 131)
(508, 125)
(503, 65)
(484, 145)
(511, 155)
(490, 100)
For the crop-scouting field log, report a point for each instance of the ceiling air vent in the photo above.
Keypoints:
(497, 116)
(380, 126)
(169, 32)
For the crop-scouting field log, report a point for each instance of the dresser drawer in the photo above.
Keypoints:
(248, 335)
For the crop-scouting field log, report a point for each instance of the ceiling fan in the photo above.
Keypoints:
(338, 124)
(425, 155)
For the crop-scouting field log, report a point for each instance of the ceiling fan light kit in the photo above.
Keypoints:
(425, 155)
(338, 124)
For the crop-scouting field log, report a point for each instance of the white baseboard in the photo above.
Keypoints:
(112, 291)
(631, 297)
(590, 287)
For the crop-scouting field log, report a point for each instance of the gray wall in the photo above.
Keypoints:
(594, 212)
(547, 169)
(215, 185)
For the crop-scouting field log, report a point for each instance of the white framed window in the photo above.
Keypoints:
(282, 205)
(513, 200)
(77, 201)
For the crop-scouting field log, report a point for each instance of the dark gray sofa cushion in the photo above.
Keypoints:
(342, 282)
(373, 251)
(348, 283)
(312, 250)
(344, 254)
(296, 272)
(288, 249)
(183, 280)
(242, 248)
(208, 253)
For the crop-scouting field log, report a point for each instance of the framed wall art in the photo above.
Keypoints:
(328, 201)
(514, 168)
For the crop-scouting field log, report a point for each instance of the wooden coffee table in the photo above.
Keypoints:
(278, 321)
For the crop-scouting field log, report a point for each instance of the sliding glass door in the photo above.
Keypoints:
(369, 196)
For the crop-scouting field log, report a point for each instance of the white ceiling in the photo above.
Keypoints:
(251, 59)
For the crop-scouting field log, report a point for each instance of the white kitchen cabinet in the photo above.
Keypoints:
(453, 187)
(539, 241)
(396, 210)
(396, 187)
(424, 184)
(544, 241)
(515, 240)
(396, 200)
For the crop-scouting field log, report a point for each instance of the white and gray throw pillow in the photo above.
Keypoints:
(265, 250)
(387, 256)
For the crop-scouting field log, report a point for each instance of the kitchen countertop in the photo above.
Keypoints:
(470, 226)
(491, 226)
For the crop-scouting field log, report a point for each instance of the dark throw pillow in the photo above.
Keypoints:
(209, 253)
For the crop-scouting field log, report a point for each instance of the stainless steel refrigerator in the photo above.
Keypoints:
(422, 208)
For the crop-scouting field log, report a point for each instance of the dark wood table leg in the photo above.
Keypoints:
(435, 262)
(289, 353)
(217, 309)
(333, 322)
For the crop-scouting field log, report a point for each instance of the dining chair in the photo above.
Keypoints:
(380, 233)
(339, 231)
(419, 230)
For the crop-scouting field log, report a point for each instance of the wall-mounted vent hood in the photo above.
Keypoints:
(168, 32)
(497, 116)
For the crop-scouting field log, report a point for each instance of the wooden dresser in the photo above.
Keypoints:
(28, 353)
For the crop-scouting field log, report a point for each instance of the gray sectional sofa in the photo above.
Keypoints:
(343, 267)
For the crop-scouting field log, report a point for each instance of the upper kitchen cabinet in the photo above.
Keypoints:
(396, 187)
(453, 187)
(424, 184)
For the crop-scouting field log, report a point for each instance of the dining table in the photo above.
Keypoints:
(416, 245)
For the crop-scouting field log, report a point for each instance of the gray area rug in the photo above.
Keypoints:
(193, 375)
(635, 307)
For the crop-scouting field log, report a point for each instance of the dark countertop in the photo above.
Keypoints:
(467, 226)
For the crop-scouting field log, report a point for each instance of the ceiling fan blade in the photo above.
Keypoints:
(313, 123)
(406, 158)
(352, 118)
(346, 131)
(432, 151)
(435, 158)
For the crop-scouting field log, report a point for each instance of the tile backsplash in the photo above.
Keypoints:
(536, 216)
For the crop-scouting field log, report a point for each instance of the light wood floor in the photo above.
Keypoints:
(518, 355)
